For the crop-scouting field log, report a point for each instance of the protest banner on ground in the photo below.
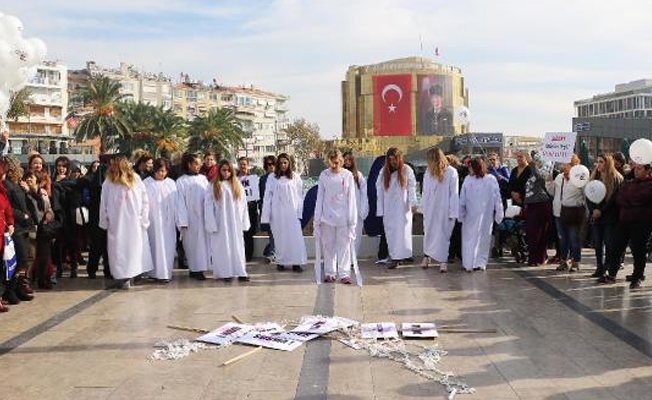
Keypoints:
(558, 146)
(380, 330)
(421, 330)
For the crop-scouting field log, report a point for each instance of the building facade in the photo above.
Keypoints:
(44, 129)
(411, 103)
(611, 122)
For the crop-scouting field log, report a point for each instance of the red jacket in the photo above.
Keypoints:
(635, 200)
(6, 215)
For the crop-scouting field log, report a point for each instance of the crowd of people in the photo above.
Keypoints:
(203, 213)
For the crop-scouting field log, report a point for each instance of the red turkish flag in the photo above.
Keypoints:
(392, 105)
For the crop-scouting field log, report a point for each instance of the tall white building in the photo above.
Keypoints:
(44, 129)
(628, 100)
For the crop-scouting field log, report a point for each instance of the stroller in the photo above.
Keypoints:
(513, 230)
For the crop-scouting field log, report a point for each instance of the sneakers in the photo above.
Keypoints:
(346, 280)
(329, 279)
(443, 268)
(635, 284)
(563, 266)
(607, 280)
(382, 261)
(628, 278)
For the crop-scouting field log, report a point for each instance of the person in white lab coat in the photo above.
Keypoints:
(361, 200)
(397, 201)
(440, 206)
(335, 218)
(191, 189)
(162, 195)
(282, 209)
(226, 218)
(124, 214)
(480, 206)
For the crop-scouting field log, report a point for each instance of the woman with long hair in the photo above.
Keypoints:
(603, 216)
(226, 218)
(396, 203)
(63, 205)
(282, 209)
(162, 196)
(538, 210)
(361, 200)
(42, 269)
(124, 214)
(335, 218)
(440, 206)
(480, 206)
(36, 165)
(191, 189)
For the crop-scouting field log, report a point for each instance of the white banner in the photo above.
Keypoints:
(558, 146)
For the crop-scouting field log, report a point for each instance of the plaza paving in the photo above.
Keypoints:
(559, 336)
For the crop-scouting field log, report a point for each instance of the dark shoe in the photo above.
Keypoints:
(92, 275)
(23, 295)
(73, 272)
(227, 280)
(628, 278)
(598, 273)
(81, 261)
(198, 275)
(10, 296)
(635, 284)
(393, 264)
(244, 279)
(297, 268)
(59, 272)
(24, 284)
(280, 268)
(607, 280)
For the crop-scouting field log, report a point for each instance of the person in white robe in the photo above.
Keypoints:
(397, 201)
(124, 214)
(440, 207)
(226, 218)
(191, 189)
(282, 209)
(335, 218)
(361, 200)
(480, 206)
(162, 195)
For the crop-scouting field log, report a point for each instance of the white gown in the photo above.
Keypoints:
(362, 204)
(395, 206)
(282, 208)
(162, 225)
(335, 219)
(191, 190)
(480, 206)
(124, 213)
(225, 221)
(440, 207)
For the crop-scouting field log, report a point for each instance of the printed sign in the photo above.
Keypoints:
(271, 341)
(421, 330)
(380, 330)
(322, 325)
(558, 146)
(225, 334)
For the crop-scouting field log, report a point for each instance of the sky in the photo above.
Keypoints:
(524, 62)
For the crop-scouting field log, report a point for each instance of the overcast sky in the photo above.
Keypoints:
(525, 62)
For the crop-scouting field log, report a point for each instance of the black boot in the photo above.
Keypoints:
(73, 271)
(22, 294)
(10, 295)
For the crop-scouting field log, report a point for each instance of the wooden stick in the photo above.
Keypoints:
(236, 319)
(187, 329)
(241, 356)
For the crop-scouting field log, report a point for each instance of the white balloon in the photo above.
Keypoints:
(11, 27)
(641, 151)
(19, 78)
(4, 104)
(40, 49)
(462, 115)
(579, 176)
(595, 191)
(512, 211)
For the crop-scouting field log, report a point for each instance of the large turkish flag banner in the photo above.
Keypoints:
(392, 105)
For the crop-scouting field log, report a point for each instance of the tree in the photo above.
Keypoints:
(105, 121)
(19, 104)
(219, 131)
(305, 140)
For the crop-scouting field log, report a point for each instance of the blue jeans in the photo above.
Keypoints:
(601, 237)
(569, 241)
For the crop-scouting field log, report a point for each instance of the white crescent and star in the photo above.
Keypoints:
(397, 89)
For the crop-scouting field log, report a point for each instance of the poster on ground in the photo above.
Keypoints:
(420, 330)
(558, 146)
(379, 330)
(225, 334)
(271, 341)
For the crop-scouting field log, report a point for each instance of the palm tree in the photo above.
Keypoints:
(104, 120)
(219, 131)
(140, 117)
(170, 131)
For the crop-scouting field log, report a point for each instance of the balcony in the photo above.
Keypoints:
(41, 81)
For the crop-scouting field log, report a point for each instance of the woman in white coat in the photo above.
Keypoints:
(397, 201)
(226, 218)
(440, 206)
(191, 189)
(335, 218)
(361, 200)
(124, 214)
(480, 206)
(162, 194)
(282, 209)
